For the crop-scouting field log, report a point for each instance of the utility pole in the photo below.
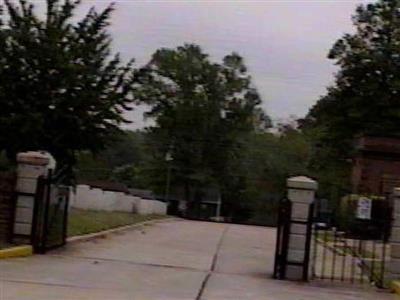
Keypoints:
(219, 203)
(168, 159)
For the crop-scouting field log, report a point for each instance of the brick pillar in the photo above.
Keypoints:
(31, 165)
(394, 266)
(301, 192)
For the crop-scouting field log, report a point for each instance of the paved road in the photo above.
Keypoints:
(168, 260)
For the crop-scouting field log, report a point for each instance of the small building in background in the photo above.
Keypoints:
(376, 165)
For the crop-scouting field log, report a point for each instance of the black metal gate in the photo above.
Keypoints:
(282, 239)
(7, 206)
(347, 247)
(50, 213)
(344, 246)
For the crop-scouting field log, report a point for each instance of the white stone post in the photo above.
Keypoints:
(31, 165)
(393, 271)
(301, 192)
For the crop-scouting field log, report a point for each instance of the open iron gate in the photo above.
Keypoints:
(352, 250)
(7, 205)
(282, 239)
(50, 213)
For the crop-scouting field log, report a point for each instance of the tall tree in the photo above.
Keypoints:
(270, 158)
(61, 89)
(365, 96)
(200, 109)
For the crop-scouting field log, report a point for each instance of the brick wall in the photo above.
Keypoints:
(376, 166)
(7, 185)
(375, 176)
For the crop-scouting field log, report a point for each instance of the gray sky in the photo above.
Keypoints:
(284, 43)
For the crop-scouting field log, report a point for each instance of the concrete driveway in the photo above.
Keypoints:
(173, 259)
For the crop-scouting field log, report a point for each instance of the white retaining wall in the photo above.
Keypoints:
(145, 207)
(86, 197)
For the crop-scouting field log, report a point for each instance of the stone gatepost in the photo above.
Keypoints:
(301, 192)
(31, 165)
(393, 271)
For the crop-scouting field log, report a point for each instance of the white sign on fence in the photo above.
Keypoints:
(364, 208)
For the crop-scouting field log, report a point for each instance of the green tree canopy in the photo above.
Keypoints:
(365, 96)
(364, 100)
(201, 109)
(61, 89)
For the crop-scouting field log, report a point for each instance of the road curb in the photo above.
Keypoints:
(102, 234)
(17, 251)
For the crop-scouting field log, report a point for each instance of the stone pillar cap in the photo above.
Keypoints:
(33, 158)
(302, 182)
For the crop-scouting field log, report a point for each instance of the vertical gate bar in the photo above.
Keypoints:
(278, 240)
(46, 213)
(36, 230)
(324, 253)
(306, 264)
(334, 255)
(352, 270)
(372, 273)
(361, 251)
(65, 219)
(344, 258)
(353, 260)
(285, 241)
(387, 223)
(383, 260)
(315, 250)
(14, 199)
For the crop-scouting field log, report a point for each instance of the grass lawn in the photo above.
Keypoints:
(89, 221)
(325, 236)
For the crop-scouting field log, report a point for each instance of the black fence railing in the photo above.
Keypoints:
(343, 258)
(51, 213)
(347, 248)
(340, 246)
(282, 239)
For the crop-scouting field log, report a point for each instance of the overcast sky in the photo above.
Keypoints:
(284, 43)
